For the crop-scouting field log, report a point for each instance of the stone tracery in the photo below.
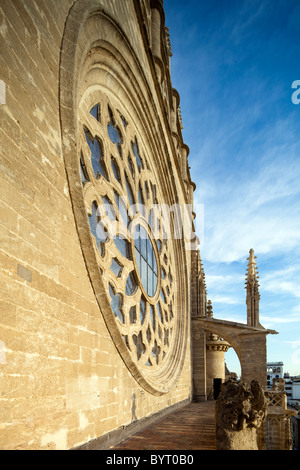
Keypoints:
(128, 233)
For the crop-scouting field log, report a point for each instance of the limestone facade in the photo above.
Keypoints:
(89, 343)
(105, 321)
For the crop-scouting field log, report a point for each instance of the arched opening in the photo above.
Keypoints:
(232, 362)
(247, 355)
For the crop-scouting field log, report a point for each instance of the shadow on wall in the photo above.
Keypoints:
(133, 408)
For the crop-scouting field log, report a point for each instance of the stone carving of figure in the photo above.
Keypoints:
(240, 410)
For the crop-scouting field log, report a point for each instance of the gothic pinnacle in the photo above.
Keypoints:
(252, 271)
(253, 296)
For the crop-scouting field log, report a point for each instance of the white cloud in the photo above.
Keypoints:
(247, 177)
(225, 300)
(294, 344)
(240, 126)
(284, 281)
(271, 321)
(220, 281)
(261, 213)
(228, 316)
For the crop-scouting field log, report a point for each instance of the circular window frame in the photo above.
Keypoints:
(77, 62)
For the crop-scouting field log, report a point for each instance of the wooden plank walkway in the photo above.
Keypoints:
(190, 428)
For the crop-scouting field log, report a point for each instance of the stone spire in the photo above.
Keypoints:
(253, 296)
(198, 286)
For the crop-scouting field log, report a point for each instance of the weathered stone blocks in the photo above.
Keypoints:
(240, 410)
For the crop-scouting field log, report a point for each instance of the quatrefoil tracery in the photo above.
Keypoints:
(120, 195)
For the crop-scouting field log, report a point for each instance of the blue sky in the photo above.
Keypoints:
(234, 62)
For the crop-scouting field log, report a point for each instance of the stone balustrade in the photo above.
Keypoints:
(275, 432)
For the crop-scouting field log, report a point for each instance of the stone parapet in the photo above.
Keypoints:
(275, 434)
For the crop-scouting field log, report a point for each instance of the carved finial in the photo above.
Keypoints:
(201, 273)
(180, 117)
(209, 310)
(201, 285)
(168, 41)
(252, 272)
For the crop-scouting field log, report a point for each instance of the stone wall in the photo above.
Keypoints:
(63, 379)
(254, 357)
(199, 364)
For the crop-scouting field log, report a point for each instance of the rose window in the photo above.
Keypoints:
(128, 230)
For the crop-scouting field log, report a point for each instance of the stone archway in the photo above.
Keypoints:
(248, 342)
